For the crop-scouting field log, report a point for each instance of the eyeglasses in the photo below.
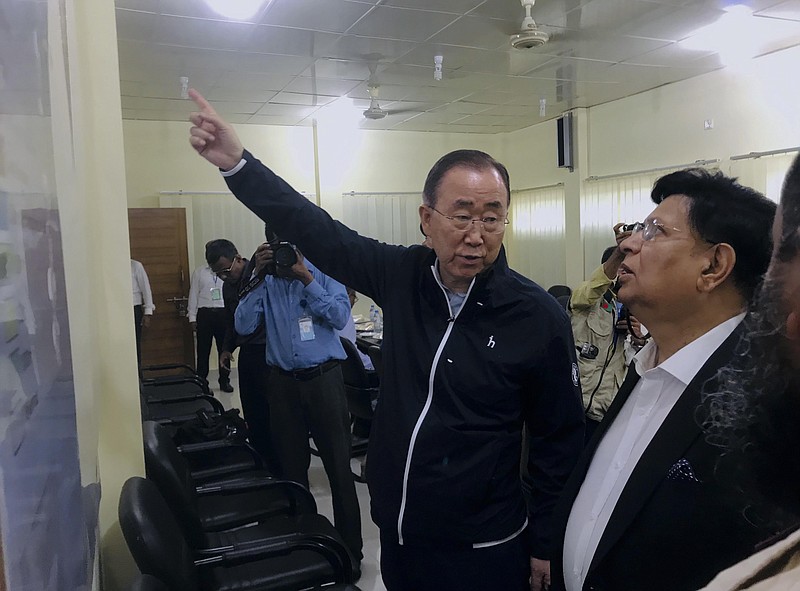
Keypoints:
(223, 273)
(650, 228)
(489, 224)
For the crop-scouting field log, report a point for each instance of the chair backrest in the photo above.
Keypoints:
(559, 290)
(564, 301)
(169, 470)
(148, 583)
(357, 385)
(376, 357)
(154, 538)
(353, 371)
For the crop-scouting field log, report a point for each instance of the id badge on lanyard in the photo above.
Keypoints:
(306, 328)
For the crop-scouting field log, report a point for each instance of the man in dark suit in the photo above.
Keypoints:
(642, 510)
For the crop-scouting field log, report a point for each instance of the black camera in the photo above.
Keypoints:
(283, 253)
(588, 351)
(622, 316)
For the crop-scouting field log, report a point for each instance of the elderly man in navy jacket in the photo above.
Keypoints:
(472, 351)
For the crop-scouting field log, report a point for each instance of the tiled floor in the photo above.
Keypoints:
(370, 570)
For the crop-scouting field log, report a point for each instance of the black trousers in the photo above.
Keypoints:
(253, 392)
(138, 314)
(505, 567)
(211, 324)
(318, 406)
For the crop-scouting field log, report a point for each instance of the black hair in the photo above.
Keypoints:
(788, 246)
(216, 249)
(474, 159)
(750, 409)
(722, 210)
(607, 254)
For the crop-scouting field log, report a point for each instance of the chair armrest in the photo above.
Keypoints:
(330, 548)
(175, 380)
(216, 405)
(213, 444)
(165, 366)
(299, 495)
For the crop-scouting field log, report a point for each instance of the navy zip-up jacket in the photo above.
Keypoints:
(444, 457)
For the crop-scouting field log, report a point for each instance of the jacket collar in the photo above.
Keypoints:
(482, 286)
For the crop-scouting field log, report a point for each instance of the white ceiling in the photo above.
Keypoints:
(296, 56)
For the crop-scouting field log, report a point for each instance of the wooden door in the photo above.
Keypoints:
(158, 241)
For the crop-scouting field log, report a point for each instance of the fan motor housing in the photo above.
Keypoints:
(373, 113)
(529, 39)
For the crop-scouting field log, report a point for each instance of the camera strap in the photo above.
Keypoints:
(254, 282)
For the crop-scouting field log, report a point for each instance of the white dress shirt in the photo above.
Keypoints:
(204, 285)
(142, 296)
(643, 413)
(349, 332)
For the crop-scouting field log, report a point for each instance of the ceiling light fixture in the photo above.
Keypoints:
(437, 67)
(236, 9)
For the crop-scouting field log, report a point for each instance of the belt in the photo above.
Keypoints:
(309, 373)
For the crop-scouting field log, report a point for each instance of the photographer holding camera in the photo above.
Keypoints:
(303, 310)
(601, 325)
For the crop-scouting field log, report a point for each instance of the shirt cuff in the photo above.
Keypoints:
(235, 169)
(314, 289)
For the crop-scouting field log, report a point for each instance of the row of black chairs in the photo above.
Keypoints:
(210, 517)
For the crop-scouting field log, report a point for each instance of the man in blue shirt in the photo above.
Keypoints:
(303, 310)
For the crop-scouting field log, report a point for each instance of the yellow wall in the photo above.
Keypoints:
(92, 204)
(158, 158)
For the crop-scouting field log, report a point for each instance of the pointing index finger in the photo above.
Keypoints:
(201, 102)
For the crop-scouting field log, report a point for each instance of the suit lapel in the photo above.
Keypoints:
(573, 486)
(678, 432)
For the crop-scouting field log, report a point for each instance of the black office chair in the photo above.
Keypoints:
(559, 290)
(288, 560)
(361, 390)
(148, 583)
(246, 498)
(375, 356)
(564, 301)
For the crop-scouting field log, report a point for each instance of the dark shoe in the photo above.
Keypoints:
(226, 387)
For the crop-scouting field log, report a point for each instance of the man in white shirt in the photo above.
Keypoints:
(143, 307)
(209, 321)
(643, 510)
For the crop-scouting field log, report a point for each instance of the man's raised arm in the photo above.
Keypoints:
(213, 137)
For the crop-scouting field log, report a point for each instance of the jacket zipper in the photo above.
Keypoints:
(429, 400)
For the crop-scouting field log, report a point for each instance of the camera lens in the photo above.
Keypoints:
(285, 255)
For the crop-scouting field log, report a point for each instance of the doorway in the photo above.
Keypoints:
(159, 241)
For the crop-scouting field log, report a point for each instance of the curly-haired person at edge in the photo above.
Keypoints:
(754, 413)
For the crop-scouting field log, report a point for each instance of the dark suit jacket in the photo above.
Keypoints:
(668, 531)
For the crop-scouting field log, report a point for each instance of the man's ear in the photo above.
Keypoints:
(718, 266)
(425, 219)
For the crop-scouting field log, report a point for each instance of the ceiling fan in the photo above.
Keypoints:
(374, 111)
(529, 35)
